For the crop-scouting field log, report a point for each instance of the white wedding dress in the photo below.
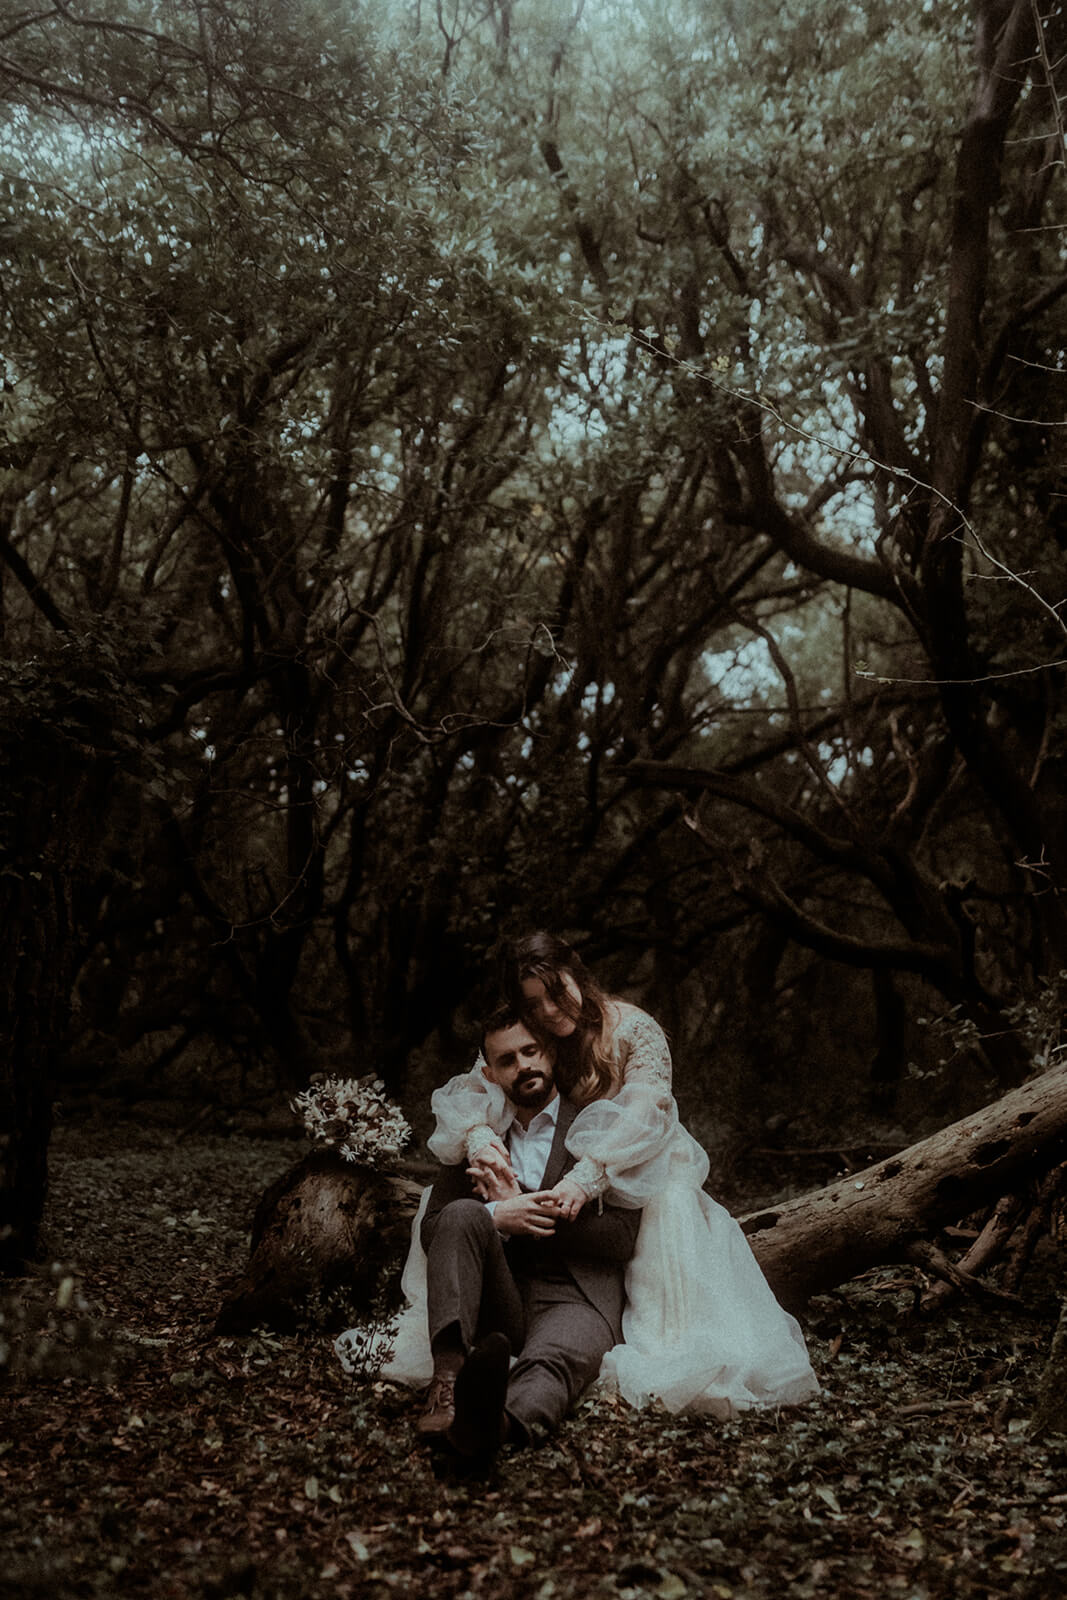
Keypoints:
(702, 1330)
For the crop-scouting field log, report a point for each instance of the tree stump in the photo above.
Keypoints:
(323, 1238)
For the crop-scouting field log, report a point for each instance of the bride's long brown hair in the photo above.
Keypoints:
(585, 1065)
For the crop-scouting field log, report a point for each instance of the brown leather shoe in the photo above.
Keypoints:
(439, 1412)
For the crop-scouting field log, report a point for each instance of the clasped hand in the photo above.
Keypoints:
(516, 1212)
(531, 1214)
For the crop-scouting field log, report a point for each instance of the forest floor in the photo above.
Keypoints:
(140, 1455)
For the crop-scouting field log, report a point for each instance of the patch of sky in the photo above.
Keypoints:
(741, 675)
(597, 694)
(594, 376)
(839, 763)
(300, 428)
(383, 470)
(563, 678)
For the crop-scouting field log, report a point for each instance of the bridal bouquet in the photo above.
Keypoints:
(353, 1117)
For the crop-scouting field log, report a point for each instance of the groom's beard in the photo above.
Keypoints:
(532, 1090)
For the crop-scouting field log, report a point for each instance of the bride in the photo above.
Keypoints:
(702, 1329)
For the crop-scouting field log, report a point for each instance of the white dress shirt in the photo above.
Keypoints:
(531, 1147)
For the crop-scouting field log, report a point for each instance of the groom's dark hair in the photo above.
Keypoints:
(509, 1015)
(505, 1016)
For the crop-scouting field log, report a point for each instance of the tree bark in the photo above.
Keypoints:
(878, 1215)
(1050, 1415)
(63, 768)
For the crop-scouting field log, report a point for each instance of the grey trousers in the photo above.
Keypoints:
(557, 1335)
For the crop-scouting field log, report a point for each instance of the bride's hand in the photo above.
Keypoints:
(489, 1185)
(568, 1198)
(491, 1172)
(493, 1156)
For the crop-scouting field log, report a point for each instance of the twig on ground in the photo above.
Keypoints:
(926, 1408)
(936, 1261)
(987, 1247)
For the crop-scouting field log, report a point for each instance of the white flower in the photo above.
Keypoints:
(353, 1116)
(365, 1350)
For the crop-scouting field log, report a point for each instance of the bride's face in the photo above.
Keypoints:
(557, 1012)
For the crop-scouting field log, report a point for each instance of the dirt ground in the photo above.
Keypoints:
(140, 1455)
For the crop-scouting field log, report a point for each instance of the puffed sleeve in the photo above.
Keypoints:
(469, 1111)
(633, 1146)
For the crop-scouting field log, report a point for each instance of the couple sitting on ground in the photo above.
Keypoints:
(569, 1234)
(507, 1274)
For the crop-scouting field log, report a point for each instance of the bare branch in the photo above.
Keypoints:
(35, 590)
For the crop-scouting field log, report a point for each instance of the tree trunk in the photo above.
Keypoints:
(27, 1021)
(883, 1213)
(1050, 1415)
(61, 776)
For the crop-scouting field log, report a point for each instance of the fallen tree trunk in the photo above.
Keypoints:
(885, 1212)
(327, 1231)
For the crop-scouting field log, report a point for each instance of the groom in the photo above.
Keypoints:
(507, 1277)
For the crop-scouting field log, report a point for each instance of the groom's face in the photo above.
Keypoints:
(521, 1065)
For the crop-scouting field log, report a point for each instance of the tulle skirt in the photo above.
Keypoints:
(409, 1359)
(703, 1332)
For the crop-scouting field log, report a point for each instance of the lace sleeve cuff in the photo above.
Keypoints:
(478, 1137)
(591, 1176)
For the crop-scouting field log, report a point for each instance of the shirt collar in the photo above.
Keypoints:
(547, 1114)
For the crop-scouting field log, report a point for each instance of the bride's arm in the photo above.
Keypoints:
(633, 1144)
(472, 1115)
